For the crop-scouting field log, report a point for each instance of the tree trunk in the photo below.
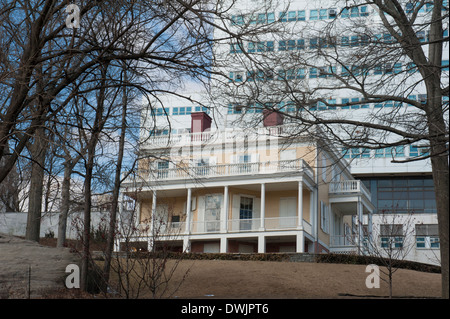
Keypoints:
(87, 219)
(92, 144)
(38, 152)
(65, 206)
(441, 187)
(116, 191)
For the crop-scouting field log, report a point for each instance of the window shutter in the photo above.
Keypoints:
(236, 204)
(200, 213)
(257, 208)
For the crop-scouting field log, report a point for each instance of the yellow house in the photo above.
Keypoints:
(252, 190)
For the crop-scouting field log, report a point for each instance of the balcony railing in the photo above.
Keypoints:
(343, 240)
(162, 141)
(348, 187)
(207, 171)
(233, 226)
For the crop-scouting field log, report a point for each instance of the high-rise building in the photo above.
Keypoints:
(239, 173)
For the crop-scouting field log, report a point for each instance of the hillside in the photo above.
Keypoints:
(216, 278)
(294, 280)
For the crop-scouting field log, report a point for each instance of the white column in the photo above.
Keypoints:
(360, 224)
(186, 244)
(370, 228)
(224, 217)
(188, 211)
(261, 244)
(300, 245)
(300, 205)
(223, 245)
(263, 206)
(312, 212)
(153, 218)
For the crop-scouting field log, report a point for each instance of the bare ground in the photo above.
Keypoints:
(216, 278)
(30, 270)
(295, 280)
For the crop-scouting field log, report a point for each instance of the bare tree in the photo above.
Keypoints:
(148, 260)
(387, 54)
(390, 242)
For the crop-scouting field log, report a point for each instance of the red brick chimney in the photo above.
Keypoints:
(200, 121)
(272, 118)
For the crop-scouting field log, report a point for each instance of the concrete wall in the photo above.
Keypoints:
(15, 223)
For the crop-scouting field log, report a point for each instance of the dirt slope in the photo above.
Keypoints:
(266, 279)
(47, 264)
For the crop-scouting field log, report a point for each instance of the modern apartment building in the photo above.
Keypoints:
(229, 176)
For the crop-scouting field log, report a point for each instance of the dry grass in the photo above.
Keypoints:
(291, 280)
(236, 279)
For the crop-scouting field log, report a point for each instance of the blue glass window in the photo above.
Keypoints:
(364, 11)
(344, 102)
(292, 16)
(301, 16)
(345, 13)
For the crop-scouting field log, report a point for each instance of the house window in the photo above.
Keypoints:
(246, 213)
(175, 221)
(202, 167)
(163, 169)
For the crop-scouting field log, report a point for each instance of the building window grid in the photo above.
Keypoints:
(300, 15)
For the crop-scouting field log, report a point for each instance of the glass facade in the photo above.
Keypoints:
(402, 194)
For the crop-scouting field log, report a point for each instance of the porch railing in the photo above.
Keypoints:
(348, 187)
(343, 240)
(205, 171)
(233, 226)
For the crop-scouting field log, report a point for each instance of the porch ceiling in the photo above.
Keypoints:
(348, 208)
(270, 187)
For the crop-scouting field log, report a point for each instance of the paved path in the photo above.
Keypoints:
(26, 266)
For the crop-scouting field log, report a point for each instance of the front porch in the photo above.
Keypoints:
(352, 210)
(252, 208)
